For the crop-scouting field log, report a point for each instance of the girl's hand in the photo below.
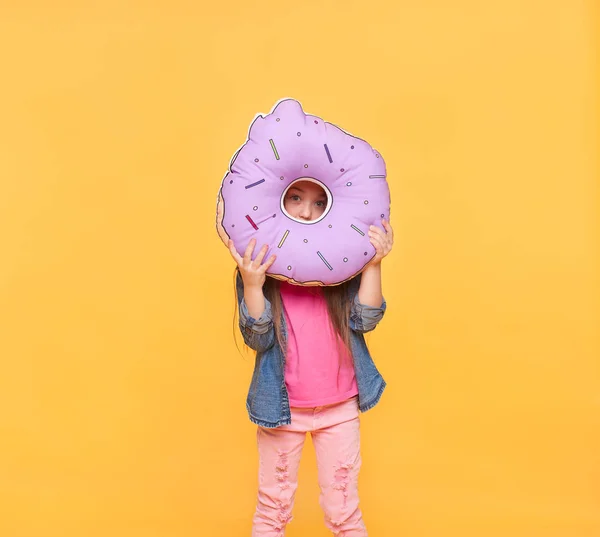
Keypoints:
(253, 272)
(381, 240)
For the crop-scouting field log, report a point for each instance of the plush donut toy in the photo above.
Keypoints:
(286, 146)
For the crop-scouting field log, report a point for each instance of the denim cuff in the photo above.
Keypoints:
(366, 317)
(260, 325)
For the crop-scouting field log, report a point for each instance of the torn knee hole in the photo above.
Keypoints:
(341, 480)
(282, 470)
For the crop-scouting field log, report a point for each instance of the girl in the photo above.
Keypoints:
(313, 373)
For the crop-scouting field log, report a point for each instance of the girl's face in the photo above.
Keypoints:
(305, 201)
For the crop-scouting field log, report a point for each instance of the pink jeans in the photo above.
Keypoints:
(335, 432)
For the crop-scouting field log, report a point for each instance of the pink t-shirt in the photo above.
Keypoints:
(317, 372)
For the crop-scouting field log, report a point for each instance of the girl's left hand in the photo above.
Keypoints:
(381, 240)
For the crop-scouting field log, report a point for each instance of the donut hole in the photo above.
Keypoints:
(302, 200)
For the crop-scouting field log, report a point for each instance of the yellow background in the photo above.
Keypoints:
(121, 389)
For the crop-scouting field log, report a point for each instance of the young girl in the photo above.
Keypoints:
(313, 373)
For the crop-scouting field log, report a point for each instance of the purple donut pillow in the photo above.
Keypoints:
(283, 147)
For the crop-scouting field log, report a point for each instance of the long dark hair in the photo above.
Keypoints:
(338, 307)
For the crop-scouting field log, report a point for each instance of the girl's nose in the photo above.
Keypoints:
(305, 211)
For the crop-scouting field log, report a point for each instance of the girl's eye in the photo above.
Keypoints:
(320, 204)
(295, 197)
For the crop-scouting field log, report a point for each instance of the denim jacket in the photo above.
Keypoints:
(268, 401)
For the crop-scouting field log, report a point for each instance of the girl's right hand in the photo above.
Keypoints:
(253, 272)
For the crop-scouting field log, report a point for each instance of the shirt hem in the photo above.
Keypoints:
(338, 398)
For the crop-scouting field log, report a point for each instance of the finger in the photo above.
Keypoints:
(261, 255)
(388, 228)
(268, 263)
(383, 237)
(234, 253)
(249, 250)
(377, 244)
(376, 230)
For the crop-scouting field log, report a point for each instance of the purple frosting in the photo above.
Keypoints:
(286, 145)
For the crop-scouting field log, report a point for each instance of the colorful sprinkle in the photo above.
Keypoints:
(348, 184)
(366, 253)
(341, 169)
(366, 202)
(345, 260)
(328, 153)
(351, 147)
(277, 119)
(281, 178)
(251, 221)
(316, 122)
(383, 215)
(274, 149)
(255, 208)
(285, 235)
(356, 229)
(289, 267)
(324, 260)
(305, 240)
(306, 165)
(376, 176)
(231, 182)
(255, 160)
(298, 134)
(267, 218)
(254, 184)
(330, 225)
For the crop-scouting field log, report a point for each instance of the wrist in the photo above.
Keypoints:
(253, 292)
(255, 301)
(373, 266)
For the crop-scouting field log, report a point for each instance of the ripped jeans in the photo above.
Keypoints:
(335, 431)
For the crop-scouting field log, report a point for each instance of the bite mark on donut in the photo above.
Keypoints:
(251, 222)
(274, 149)
(356, 229)
(285, 235)
(328, 153)
(324, 260)
(254, 184)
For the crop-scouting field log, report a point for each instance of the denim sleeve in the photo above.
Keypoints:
(365, 318)
(258, 334)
